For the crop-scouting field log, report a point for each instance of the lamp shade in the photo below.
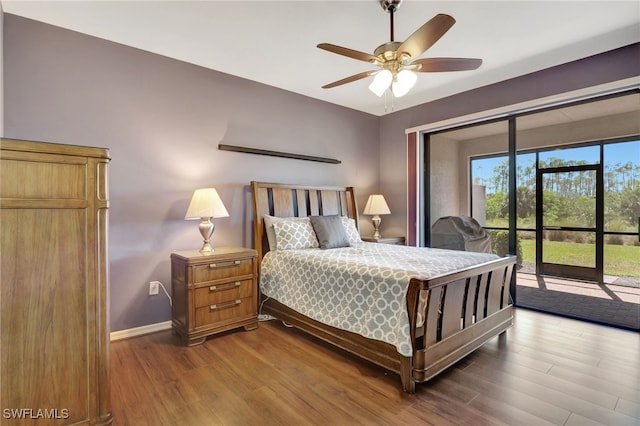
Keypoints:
(206, 203)
(376, 205)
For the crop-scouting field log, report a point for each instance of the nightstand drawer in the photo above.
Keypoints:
(218, 293)
(223, 269)
(225, 311)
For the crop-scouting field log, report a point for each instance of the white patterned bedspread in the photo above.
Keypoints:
(362, 288)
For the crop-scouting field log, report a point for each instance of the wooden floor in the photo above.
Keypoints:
(546, 370)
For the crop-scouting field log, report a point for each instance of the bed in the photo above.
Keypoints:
(440, 314)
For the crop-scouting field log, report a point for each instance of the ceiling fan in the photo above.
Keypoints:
(397, 60)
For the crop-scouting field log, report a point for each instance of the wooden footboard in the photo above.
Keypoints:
(463, 310)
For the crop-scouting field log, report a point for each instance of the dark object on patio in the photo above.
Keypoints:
(460, 233)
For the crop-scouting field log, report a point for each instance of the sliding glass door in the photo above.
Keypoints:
(560, 189)
(447, 161)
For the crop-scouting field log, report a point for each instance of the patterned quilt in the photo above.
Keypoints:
(362, 288)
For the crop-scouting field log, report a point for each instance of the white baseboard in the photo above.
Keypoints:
(139, 331)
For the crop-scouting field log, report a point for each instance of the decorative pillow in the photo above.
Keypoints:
(330, 231)
(271, 233)
(295, 234)
(351, 230)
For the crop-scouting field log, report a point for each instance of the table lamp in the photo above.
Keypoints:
(205, 205)
(376, 205)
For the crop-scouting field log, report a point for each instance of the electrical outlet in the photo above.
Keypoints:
(154, 288)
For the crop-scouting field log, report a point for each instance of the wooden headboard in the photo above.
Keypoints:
(288, 200)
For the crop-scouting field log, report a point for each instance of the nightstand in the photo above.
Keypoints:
(212, 293)
(385, 240)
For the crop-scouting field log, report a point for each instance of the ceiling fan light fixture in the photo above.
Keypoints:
(381, 82)
(399, 61)
(404, 81)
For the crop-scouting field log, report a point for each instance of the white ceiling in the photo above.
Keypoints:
(274, 42)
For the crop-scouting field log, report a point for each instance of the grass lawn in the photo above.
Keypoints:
(623, 261)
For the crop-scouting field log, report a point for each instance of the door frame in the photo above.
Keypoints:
(570, 271)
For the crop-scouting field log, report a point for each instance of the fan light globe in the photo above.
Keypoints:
(381, 82)
(403, 83)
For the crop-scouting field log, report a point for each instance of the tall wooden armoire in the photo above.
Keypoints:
(54, 341)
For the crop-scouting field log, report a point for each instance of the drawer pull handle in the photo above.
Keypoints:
(215, 265)
(215, 287)
(228, 305)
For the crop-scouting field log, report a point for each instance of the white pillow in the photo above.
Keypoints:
(295, 234)
(352, 232)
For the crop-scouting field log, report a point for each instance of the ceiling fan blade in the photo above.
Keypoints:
(354, 54)
(426, 35)
(446, 64)
(350, 79)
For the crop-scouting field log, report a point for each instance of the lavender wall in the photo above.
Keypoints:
(607, 67)
(162, 121)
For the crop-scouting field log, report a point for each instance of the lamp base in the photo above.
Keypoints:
(206, 248)
(376, 226)
(206, 228)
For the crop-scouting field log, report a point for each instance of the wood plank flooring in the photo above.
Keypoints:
(546, 370)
